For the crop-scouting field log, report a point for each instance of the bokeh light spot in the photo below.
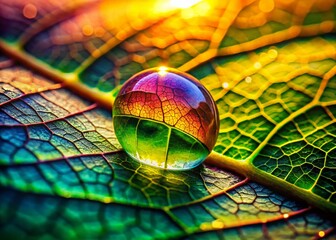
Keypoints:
(29, 11)
(266, 6)
(217, 224)
(257, 65)
(321, 234)
(183, 3)
(248, 79)
(87, 30)
(272, 53)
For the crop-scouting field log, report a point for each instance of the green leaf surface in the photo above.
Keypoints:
(43, 121)
(270, 66)
(99, 194)
(278, 113)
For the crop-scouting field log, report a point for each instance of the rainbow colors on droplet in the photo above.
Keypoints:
(166, 118)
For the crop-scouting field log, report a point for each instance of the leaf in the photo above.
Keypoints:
(279, 117)
(98, 190)
(42, 121)
(271, 69)
(63, 173)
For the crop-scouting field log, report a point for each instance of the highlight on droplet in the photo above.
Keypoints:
(163, 70)
(266, 6)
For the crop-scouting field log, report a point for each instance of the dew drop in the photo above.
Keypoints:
(166, 118)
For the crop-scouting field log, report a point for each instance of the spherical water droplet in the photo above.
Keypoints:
(166, 118)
